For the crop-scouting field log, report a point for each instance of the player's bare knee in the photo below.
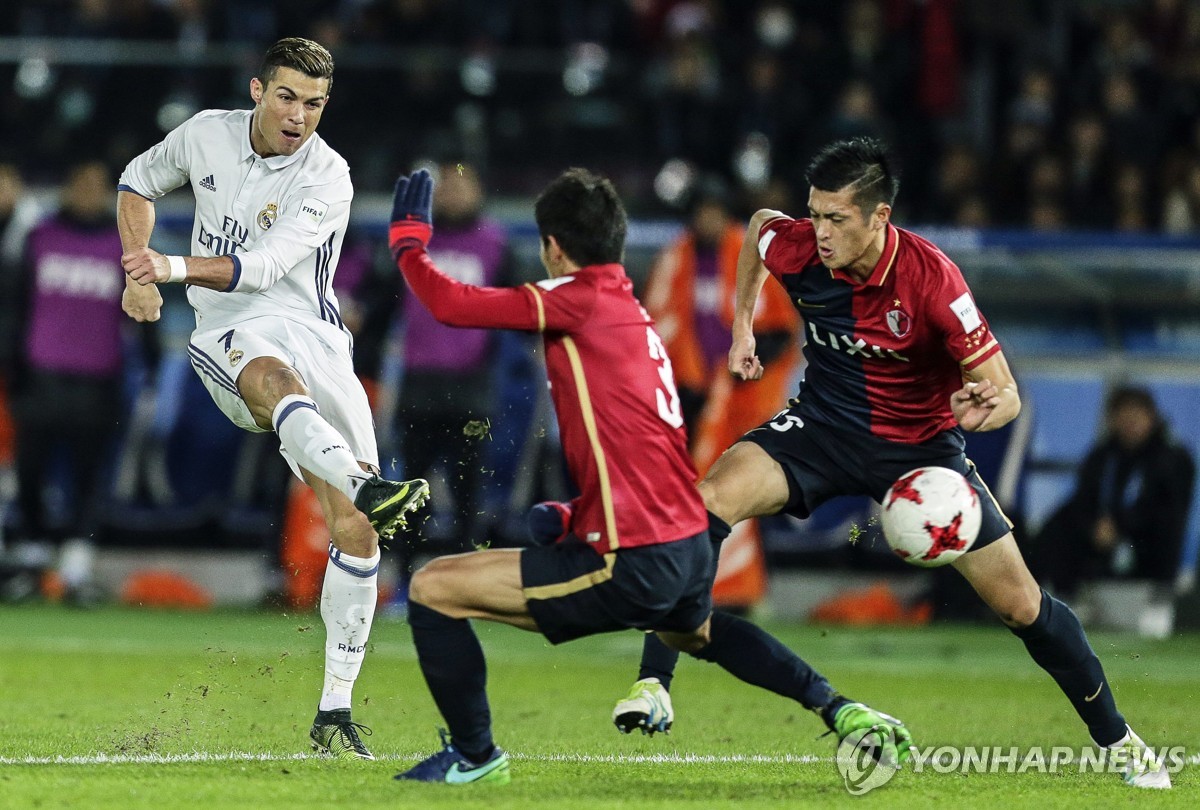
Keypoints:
(432, 586)
(280, 382)
(1019, 609)
(1023, 614)
(352, 534)
(713, 502)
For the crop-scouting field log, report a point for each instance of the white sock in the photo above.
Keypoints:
(315, 445)
(347, 607)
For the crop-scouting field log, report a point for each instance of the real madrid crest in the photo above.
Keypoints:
(235, 356)
(899, 322)
(267, 216)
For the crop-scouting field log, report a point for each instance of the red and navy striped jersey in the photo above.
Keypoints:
(613, 390)
(883, 355)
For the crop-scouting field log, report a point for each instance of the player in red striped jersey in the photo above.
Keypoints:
(900, 362)
(638, 554)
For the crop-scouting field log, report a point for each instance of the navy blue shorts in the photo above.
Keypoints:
(574, 592)
(822, 462)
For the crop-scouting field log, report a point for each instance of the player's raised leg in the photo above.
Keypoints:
(1056, 641)
(278, 400)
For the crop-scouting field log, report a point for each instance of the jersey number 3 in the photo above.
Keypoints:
(667, 397)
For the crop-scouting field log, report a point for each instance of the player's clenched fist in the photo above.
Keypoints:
(974, 402)
(146, 266)
(743, 362)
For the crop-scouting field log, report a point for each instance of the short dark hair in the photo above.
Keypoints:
(862, 164)
(303, 55)
(583, 212)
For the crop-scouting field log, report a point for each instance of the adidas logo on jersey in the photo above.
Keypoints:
(208, 183)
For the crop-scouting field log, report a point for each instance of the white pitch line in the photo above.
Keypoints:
(204, 757)
(582, 759)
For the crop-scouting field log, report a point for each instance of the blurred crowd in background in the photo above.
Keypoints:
(1038, 113)
(1049, 116)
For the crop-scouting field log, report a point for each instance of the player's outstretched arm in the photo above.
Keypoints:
(751, 273)
(988, 398)
(135, 223)
(450, 301)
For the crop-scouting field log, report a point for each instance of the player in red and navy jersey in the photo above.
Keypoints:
(900, 363)
(638, 553)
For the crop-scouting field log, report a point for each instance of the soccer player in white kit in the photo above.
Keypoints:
(272, 207)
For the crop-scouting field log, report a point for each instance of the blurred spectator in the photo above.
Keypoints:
(1181, 209)
(68, 369)
(1131, 199)
(1132, 129)
(446, 394)
(1127, 515)
(690, 295)
(1046, 213)
(686, 93)
(1036, 102)
(729, 87)
(856, 114)
(1089, 170)
(959, 178)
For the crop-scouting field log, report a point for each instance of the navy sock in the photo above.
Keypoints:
(1057, 643)
(456, 672)
(755, 656)
(659, 660)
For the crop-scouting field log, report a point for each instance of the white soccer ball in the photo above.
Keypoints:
(931, 516)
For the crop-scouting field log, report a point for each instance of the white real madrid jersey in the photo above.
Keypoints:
(282, 219)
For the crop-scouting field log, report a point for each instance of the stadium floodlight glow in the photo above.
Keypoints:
(478, 75)
(752, 162)
(34, 78)
(174, 111)
(674, 180)
(585, 68)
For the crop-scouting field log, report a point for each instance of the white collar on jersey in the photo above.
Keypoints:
(277, 161)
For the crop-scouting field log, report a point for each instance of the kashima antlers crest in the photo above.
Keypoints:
(899, 322)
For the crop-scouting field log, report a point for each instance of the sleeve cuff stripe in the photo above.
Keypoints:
(979, 356)
(764, 243)
(132, 190)
(237, 273)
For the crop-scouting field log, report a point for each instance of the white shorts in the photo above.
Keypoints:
(219, 355)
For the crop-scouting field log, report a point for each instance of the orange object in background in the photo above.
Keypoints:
(741, 571)
(305, 548)
(731, 407)
(166, 589)
(877, 604)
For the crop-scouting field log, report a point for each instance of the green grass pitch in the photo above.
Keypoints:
(212, 710)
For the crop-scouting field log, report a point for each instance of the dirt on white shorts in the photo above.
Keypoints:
(219, 355)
